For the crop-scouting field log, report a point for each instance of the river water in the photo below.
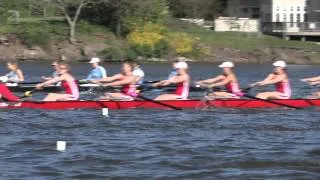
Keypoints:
(164, 144)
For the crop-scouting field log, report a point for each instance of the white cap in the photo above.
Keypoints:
(181, 65)
(94, 60)
(281, 64)
(227, 64)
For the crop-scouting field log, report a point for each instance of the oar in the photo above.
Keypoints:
(243, 94)
(159, 103)
(28, 94)
(269, 101)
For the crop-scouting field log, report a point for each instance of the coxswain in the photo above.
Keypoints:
(314, 81)
(138, 73)
(125, 79)
(6, 94)
(15, 75)
(281, 81)
(68, 83)
(98, 72)
(182, 81)
(55, 73)
(228, 79)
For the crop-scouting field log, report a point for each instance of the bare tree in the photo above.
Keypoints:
(71, 10)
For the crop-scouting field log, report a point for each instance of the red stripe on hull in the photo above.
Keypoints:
(185, 104)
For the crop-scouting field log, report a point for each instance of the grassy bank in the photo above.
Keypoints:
(51, 32)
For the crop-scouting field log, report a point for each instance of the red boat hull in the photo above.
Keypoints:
(185, 104)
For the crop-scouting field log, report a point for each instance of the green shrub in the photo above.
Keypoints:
(161, 49)
(113, 53)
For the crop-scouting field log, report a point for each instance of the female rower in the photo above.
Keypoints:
(313, 82)
(227, 79)
(68, 83)
(126, 79)
(182, 80)
(280, 79)
(15, 75)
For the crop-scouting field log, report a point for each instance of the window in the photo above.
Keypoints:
(291, 9)
(298, 18)
(298, 8)
(278, 8)
(305, 17)
(291, 20)
(277, 17)
(284, 17)
(305, 8)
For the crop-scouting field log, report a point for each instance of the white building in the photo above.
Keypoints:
(284, 11)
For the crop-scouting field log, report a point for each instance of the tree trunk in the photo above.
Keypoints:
(72, 32)
(118, 27)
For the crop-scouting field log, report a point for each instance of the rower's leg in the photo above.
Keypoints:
(51, 97)
(223, 95)
(264, 95)
(164, 97)
(271, 95)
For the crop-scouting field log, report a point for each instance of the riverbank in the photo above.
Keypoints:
(26, 41)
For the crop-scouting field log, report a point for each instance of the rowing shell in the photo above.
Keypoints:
(82, 87)
(184, 104)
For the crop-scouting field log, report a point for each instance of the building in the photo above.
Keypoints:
(284, 11)
(313, 10)
(243, 8)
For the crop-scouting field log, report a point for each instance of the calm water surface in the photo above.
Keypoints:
(164, 144)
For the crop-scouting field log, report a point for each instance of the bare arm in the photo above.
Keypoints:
(107, 79)
(222, 83)
(212, 80)
(313, 79)
(49, 82)
(20, 75)
(273, 80)
(128, 80)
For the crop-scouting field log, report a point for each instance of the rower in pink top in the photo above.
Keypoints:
(125, 79)
(228, 79)
(68, 83)
(280, 79)
(182, 81)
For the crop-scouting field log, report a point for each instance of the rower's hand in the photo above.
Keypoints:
(95, 81)
(314, 83)
(39, 86)
(83, 81)
(304, 80)
(260, 83)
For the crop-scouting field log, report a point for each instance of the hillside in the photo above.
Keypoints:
(45, 39)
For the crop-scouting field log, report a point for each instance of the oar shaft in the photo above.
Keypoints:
(159, 103)
(272, 102)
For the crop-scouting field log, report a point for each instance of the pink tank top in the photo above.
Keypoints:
(284, 88)
(71, 88)
(182, 89)
(233, 87)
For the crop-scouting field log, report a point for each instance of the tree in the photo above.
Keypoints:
(71, 10)
(120, 15)
(207, 9)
